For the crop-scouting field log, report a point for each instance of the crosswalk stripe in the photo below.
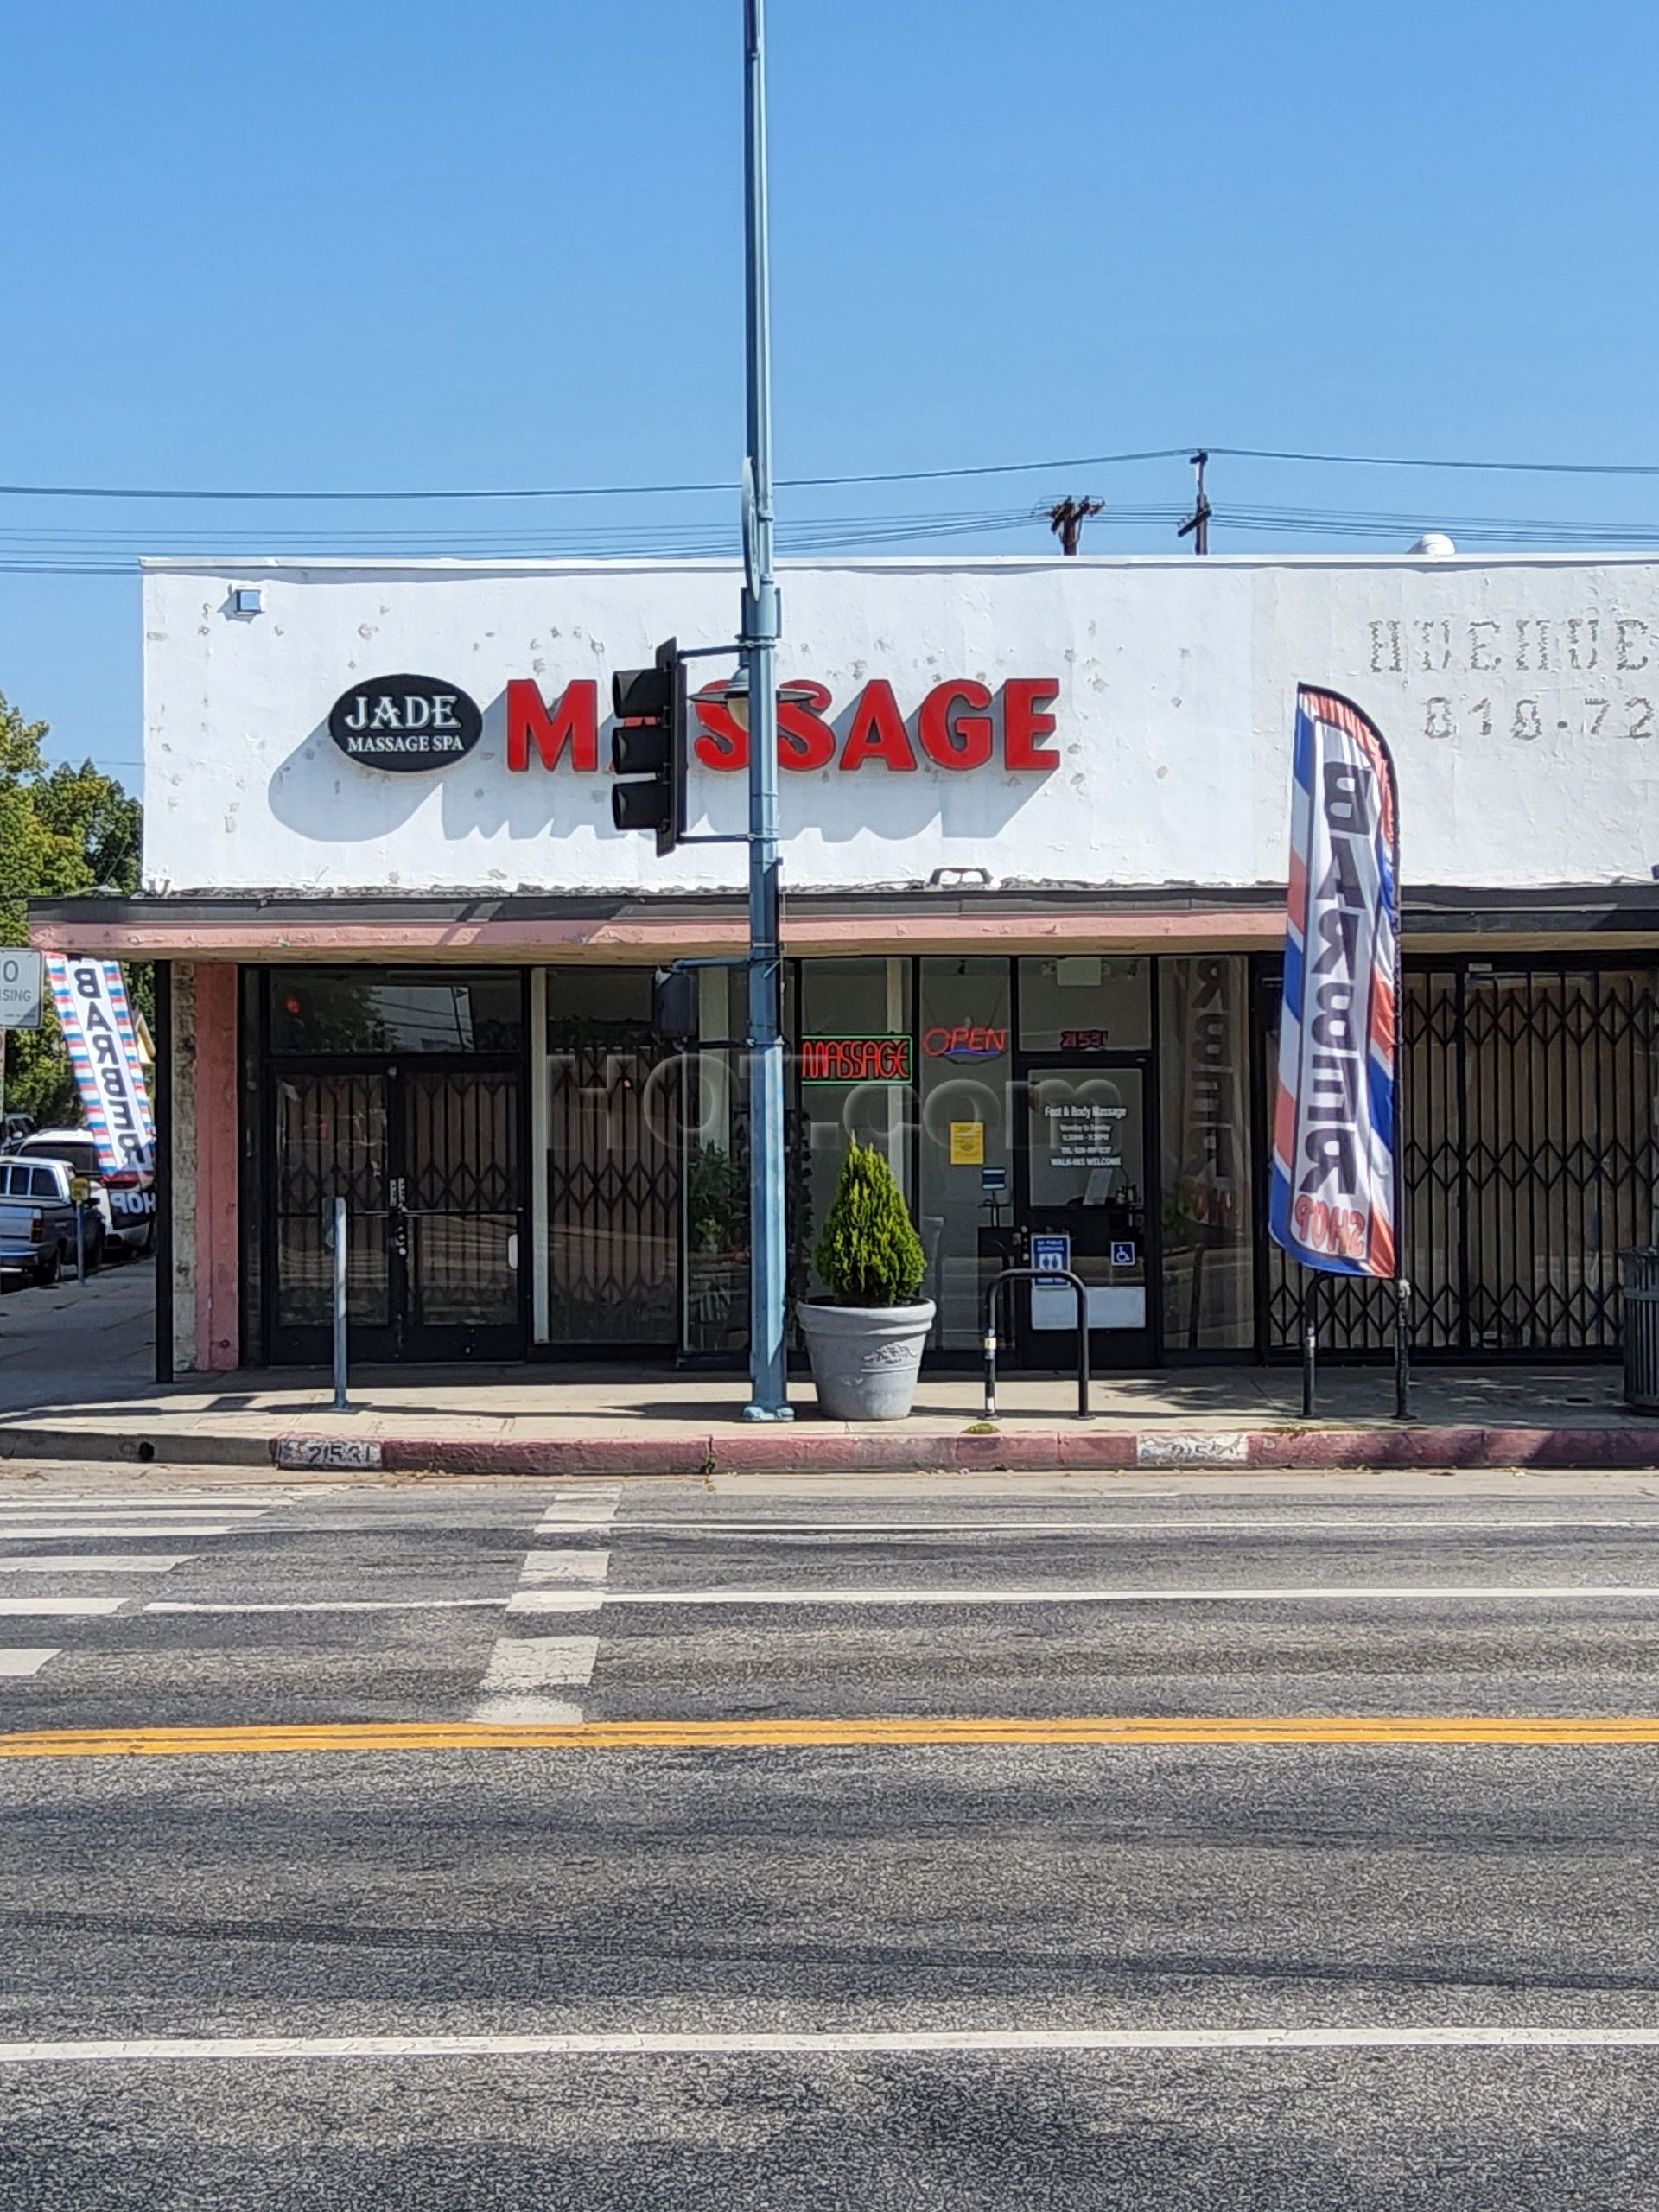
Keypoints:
(57, 1608)
(94, 1562)
(535, 1662)
(39, 1502)
(522, 1668)
(126, 1508)
(22, 1662)
(565, 1567)
(120, 1532)
(324, 1606)
(522, 1706)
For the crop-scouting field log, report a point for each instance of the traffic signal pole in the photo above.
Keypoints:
(761, 623)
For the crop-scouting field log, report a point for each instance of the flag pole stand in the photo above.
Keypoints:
(1310, 1342)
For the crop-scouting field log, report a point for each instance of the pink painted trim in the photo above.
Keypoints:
(218, 1331)
(163, 940)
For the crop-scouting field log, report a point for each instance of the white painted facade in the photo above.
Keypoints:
(1519, 695)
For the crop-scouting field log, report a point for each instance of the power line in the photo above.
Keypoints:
(99, 549)
(1400, 461)
(580, 491)
(243, 495)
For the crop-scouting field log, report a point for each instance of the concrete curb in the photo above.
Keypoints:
(806, 1448)
(807, 1451)
(155, 1448)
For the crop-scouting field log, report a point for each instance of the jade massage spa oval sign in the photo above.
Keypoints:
(405, 723)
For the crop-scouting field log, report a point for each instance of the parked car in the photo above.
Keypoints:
(37, 1220)
(26, 1247)
(123, 1229)
(52, 1184)
(98, 1202)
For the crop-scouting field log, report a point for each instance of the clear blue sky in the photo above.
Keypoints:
(381, 245)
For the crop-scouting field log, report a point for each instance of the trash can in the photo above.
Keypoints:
(1639, 1280)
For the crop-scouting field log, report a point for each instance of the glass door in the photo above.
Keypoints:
(1082, 1176)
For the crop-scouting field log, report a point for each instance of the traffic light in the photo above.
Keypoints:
(674, 1004)
(648, 747)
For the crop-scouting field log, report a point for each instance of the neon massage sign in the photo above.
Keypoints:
(960, 725)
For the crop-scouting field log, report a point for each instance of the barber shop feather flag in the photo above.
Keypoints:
(1333, 1204)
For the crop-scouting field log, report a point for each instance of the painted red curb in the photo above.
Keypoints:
(1625, 1445)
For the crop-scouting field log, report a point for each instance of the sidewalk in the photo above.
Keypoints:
(74, 1383)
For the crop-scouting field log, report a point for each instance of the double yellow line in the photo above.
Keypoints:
(1109, 1732)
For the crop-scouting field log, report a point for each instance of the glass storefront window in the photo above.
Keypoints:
(1084, 1003)
(851, 1014)
(1204, 1031)
(384, 1010)
(586, 1005)
(964, 1068)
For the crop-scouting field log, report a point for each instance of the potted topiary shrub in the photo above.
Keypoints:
(867, 1347)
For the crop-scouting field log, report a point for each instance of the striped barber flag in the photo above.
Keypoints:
(1333, 1198)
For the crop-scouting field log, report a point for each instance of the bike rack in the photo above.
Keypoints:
(1036, 1274)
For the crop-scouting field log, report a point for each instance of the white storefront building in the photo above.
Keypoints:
(1034, 821)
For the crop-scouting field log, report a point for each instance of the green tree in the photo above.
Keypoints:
(62, 829)
(869, 1253)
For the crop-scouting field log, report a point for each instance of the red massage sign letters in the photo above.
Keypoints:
(960, 724)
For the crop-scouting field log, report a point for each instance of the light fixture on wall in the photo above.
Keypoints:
(733, 695)
(247, 599)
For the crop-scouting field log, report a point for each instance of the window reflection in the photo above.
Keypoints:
(367, 1010)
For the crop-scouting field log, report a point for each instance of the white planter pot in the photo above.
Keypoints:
(865, 1358)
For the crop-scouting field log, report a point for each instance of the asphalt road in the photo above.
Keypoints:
(1228, 1974)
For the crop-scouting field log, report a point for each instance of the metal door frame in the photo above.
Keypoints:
(1107, 1348)
(1460, 1176)
(306, 1345)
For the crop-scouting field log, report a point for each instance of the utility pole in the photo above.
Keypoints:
(761, 625)
(1067, 518)
(1197, 525)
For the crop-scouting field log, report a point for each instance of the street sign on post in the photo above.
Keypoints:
(22, 987)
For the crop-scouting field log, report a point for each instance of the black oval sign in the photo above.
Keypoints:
(406, 723)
